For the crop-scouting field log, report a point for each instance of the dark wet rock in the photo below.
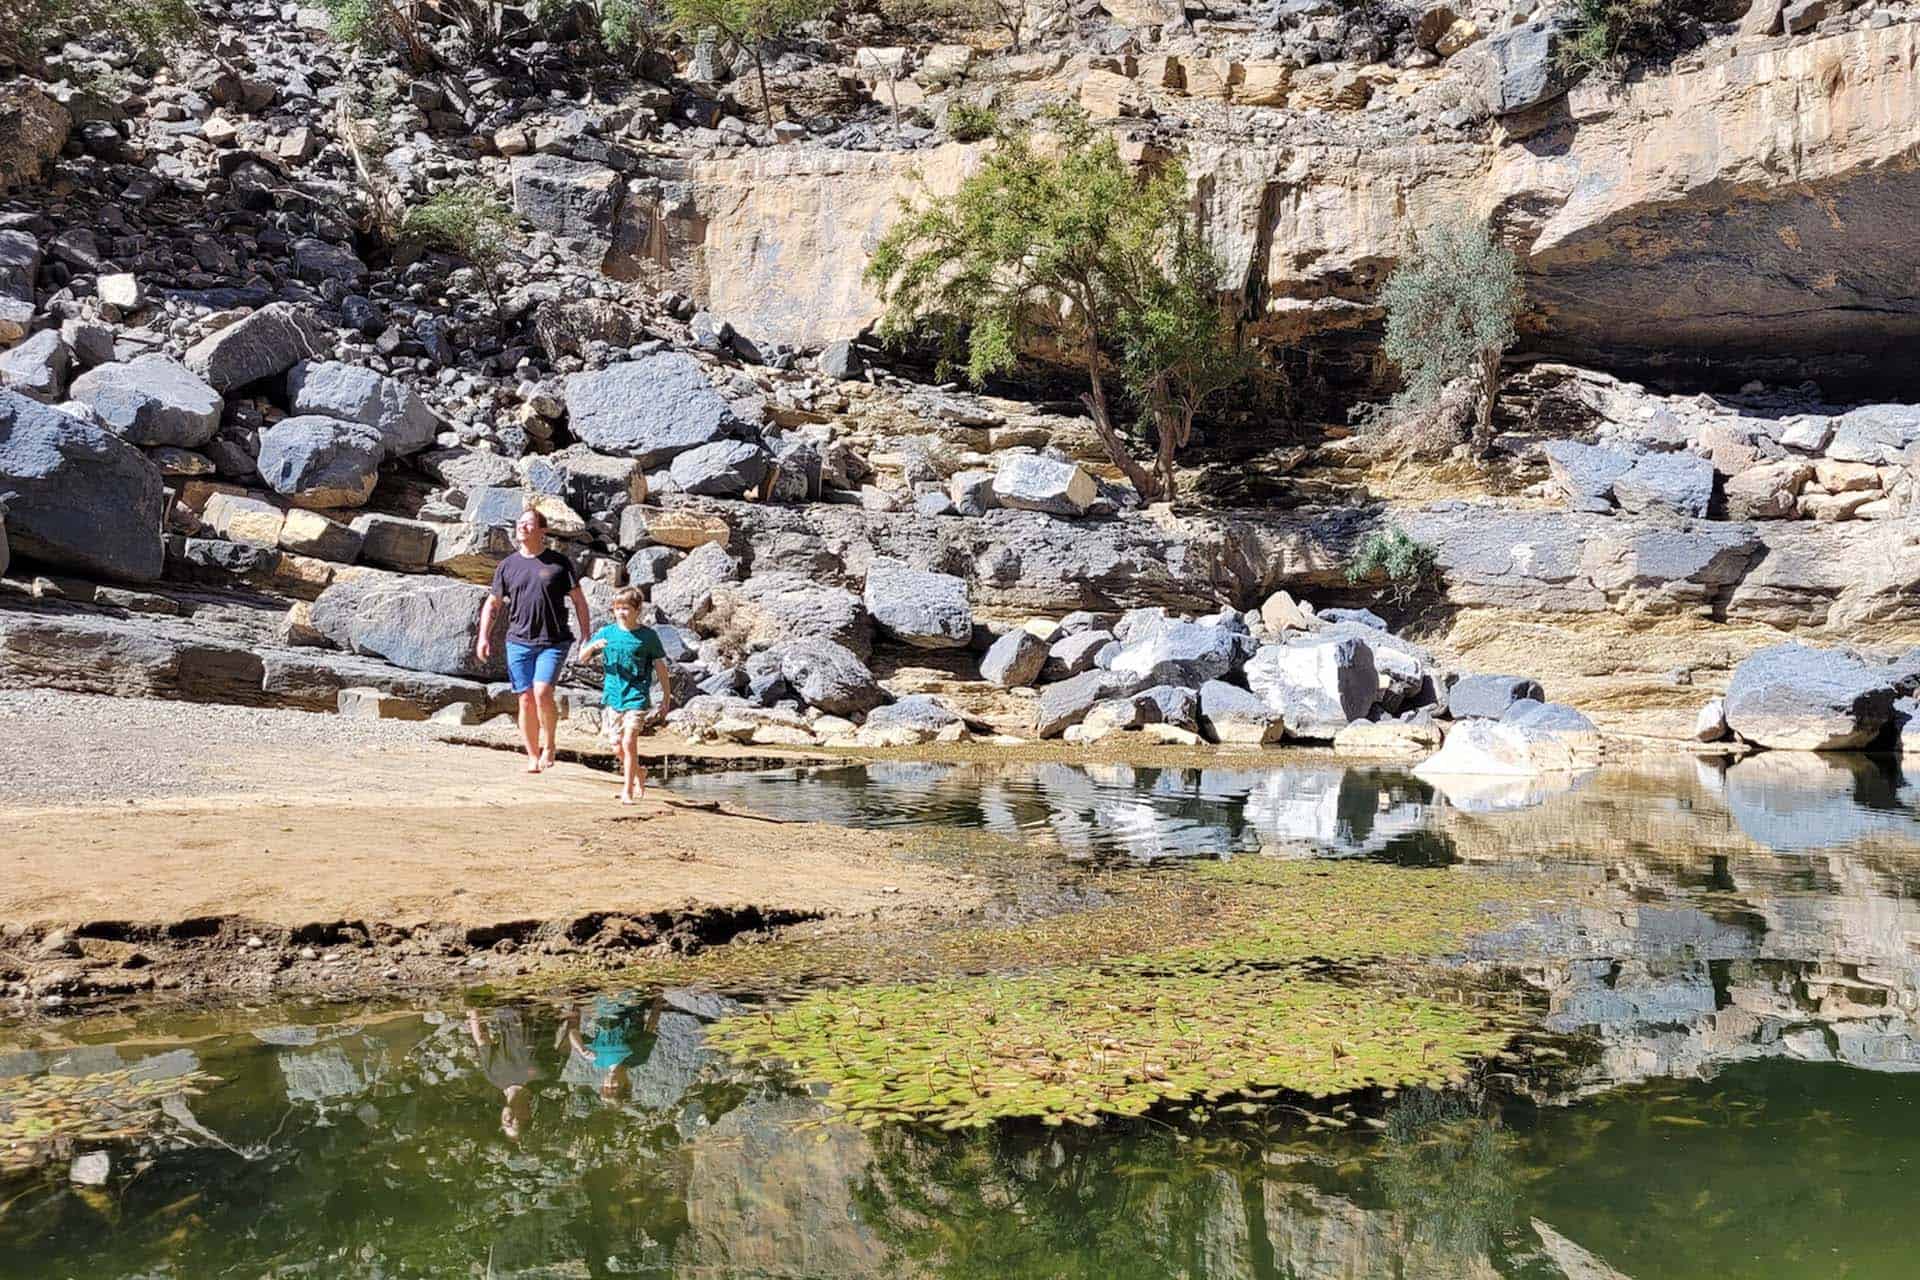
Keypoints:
(1316, 685)
(651, 409)
(1490, 696)
(353, 394)
(151, 400)
(1014, 660)
(925, 609)
(321, 462)
(1796, 697)
(267, 342)
(829, 676)
(77, 497)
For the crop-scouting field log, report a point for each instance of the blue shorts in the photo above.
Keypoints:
(531, 664)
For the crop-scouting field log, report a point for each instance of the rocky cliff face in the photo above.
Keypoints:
(1735, 218)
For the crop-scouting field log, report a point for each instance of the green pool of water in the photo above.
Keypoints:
(1727, 1090)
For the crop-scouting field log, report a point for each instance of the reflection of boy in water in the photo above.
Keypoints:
(507, 1062)
(617, 1025)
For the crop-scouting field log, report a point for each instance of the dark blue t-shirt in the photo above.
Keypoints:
(536, 590)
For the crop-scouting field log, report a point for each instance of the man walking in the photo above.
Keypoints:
(536, 584)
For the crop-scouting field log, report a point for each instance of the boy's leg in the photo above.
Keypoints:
(630, 769)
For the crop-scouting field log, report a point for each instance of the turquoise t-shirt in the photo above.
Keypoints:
(628, 658)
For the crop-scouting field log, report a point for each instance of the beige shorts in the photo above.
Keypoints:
(616, 722)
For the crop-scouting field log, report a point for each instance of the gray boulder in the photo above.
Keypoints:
(597, 482)
(1666, 484)
(840, 361)
(799, 471)
(723, 469)
(1179, 653)
(649, 566)
(151, 400)
(1014, 660)
(651, 409)
(1034, 482)
(1488, 697)
(422, 624)
(1177, 705)
(1585, 473)
(1879, 434)
(972, 492)
(830, 677)
(770, 609)
(568, 198)
(1072, 654)
(37, 368)
(78, 497)
(321, 462)
(1548, 717)
(1067, 702)
(1794, 697)
(494, 505)
(1317, 685)
(1230, 714)
(925, 609)
(1517, 68)
(467, 469)
(470, 551)
(687, 594)
(353, 394)
(923, 715)
(395, 542)
(267, 342)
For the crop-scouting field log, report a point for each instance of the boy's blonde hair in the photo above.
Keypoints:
(629, 596)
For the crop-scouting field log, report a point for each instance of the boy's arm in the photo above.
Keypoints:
(592, 647)
(664, 678)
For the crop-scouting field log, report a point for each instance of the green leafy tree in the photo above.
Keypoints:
(470, 223)
(1450, 313)
(147, 28)
(1072, 239)
(747, 24)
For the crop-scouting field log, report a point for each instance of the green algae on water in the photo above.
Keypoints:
(43, 1114)
(1199, 985)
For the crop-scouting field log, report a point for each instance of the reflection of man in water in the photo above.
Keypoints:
(610, 1034)
(507, 1062)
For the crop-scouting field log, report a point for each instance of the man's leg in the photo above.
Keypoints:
(530, 729)
(549, 709)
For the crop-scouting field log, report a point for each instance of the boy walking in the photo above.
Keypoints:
(633, 658)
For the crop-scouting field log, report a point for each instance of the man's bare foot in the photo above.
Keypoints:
(546, 759)
(626, 797)
(534, 764)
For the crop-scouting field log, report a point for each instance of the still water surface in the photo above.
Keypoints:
(1736, 991)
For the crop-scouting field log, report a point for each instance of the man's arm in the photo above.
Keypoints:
(484, 644)
(579, 599)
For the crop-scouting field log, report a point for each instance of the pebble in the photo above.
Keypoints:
(254, 942)
(308, 953)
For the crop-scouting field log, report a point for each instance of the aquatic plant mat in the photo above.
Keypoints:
(45, 1116)
(1213, 980)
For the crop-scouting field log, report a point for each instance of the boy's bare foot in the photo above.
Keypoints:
(626, 797)
(546, 759)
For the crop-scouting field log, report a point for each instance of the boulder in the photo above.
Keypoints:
(395, 542)
(1489, 697)
(649, 566)
(1230, 714)
(1072, 654)
(829, 676)
(1879, 434)
(569, 198)
(1710, 725)
(910, 721)
(267, 342)
(1067, 702)
(687, 594)
(308, 533)
(840, 361)
(1496, 749)
(1517, 68)
(470, 551)
(1666, 484)
(598, 482)
(971, 492)
(422, 624)
(76, 496)
(321, 462)
(1770, 491)
(1173, 704)
(151, 400)
(651, 409)
(1387, 738)
(1585, 473)
(494, 505)
(770, 609)
(1282, 612)
(1317, 686)
(1034, 482)
(725, 468)
(238, 518)
(37, 368)
(924, 609)
(674, 527)
(1791, 696)
(353, 394)
(1179, 653)
(1014, 660)
(1906, 711)
(33, 129)
(467, 469)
